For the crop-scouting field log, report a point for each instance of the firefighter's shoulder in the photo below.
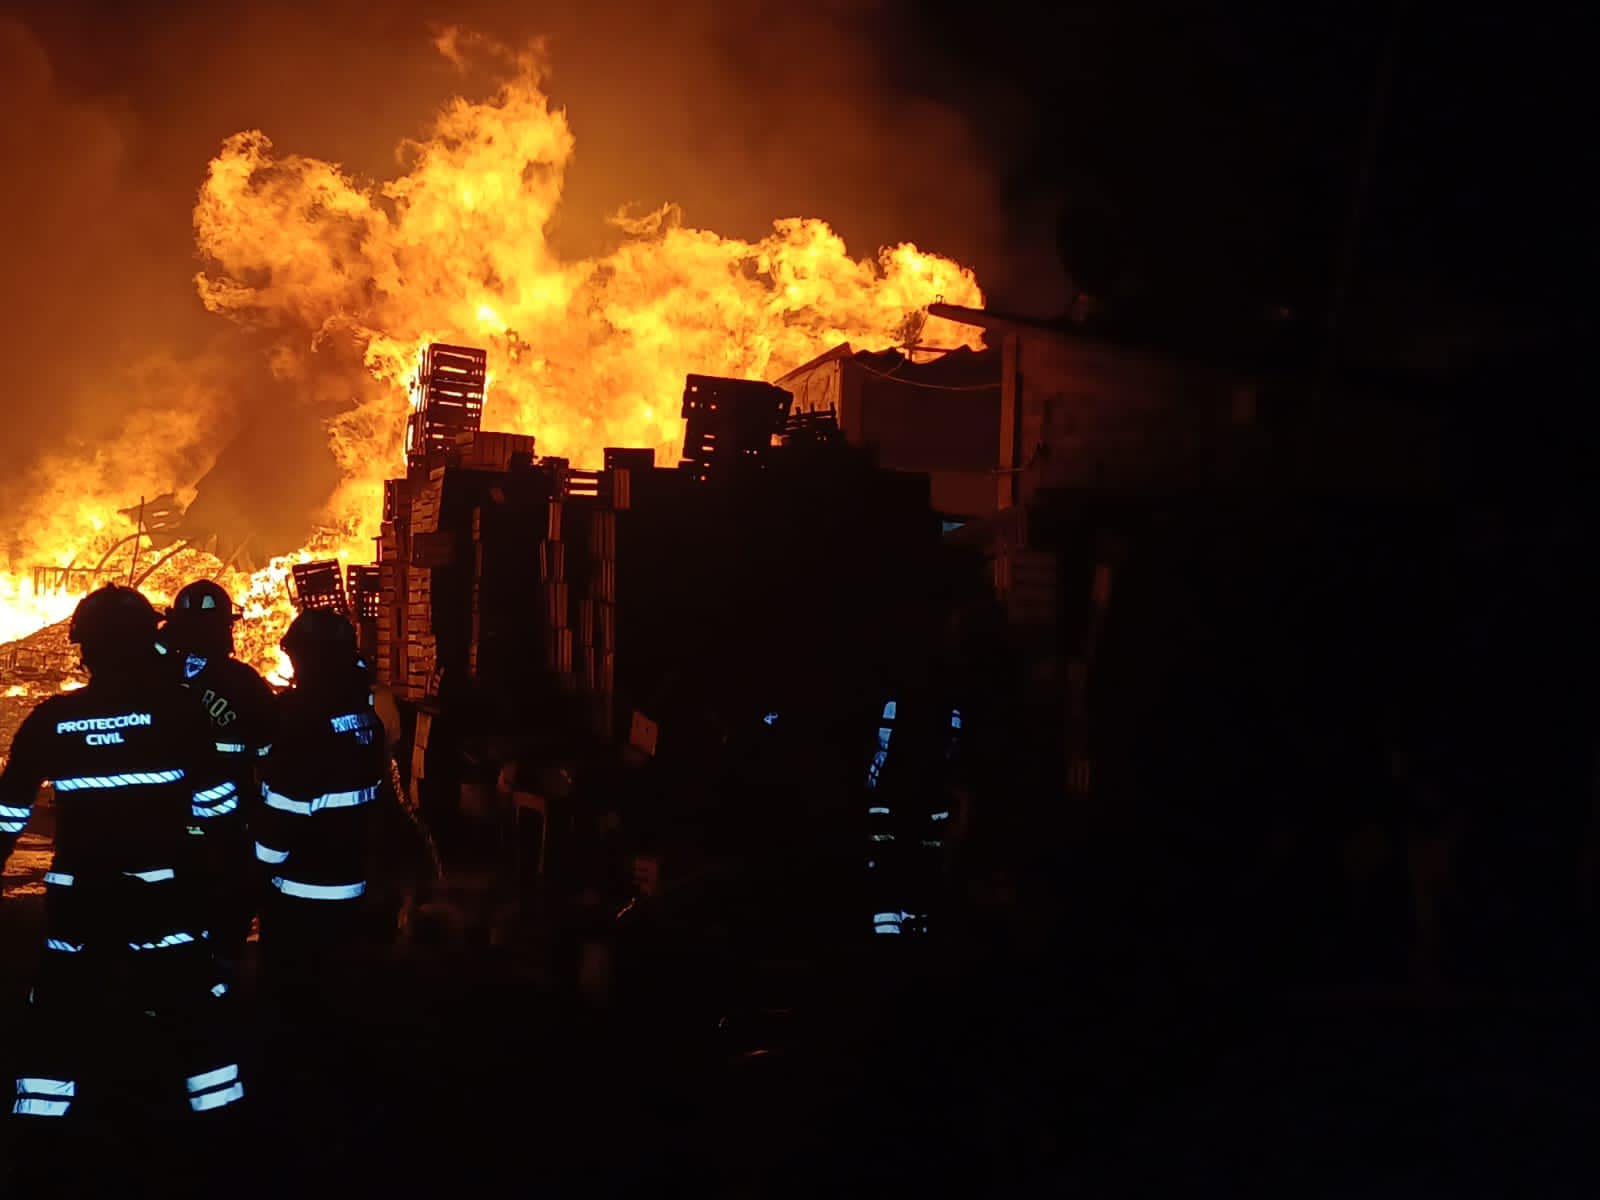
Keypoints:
(164, 692)
(90, 712)
(244, 683)
(292, 710)
(48, 713)
(172, 705)
(238, 671)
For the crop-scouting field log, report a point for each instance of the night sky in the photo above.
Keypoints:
(1213, 151)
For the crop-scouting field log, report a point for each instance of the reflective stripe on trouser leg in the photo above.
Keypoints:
(266, 854)
(215, 802)
(214, 1089)
(42, 1097)
(899, 922)
(158, 876)
(179, 938)
(319, 891)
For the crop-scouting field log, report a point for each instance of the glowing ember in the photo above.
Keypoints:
(582, 354)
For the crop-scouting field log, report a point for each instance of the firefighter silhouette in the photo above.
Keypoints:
(127, 999)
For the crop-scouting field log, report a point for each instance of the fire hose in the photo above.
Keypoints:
(414, 815)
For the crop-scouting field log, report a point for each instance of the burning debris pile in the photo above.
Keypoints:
(32, 668)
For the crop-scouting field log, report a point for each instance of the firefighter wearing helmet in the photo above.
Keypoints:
(320, 783)
(196, 644)
(125, 972)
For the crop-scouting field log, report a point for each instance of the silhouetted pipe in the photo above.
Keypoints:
(106, 557)
(151, 569)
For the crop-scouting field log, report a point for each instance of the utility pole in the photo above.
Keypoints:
(1344, 268)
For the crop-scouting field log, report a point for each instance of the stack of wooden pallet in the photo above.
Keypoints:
(475, 657)
(394, 550)
(1109, 550)
(447, 400)
(554, 601)
(598, 620)
(480, 451)
(729, 422)
(496, 592)
(364, 589)
(1027, 580)
(422, 641)
(458, 562)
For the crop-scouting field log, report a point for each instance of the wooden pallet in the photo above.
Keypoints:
(482, 451)
(552, 561)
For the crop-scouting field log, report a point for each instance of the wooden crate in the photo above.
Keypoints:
(427, 504)
(585, 612)
(597, 624)
(559, 650)
(548, 513)
(1028, 582)
(636, 457)
(553, 605)
(319, 585)
(603, 534)
(476, 637)
(396, 499)
(643, 733)
(435, 549)
(419, 748)
(552, 561)
(603, 625)
(447, 396)
(586, 484)
(492, 451)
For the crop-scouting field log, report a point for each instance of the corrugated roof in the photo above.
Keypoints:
(961, 368)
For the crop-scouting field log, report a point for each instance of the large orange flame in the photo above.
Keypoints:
(582, 353)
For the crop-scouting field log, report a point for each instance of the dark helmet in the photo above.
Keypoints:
(320, 633)
(203, 600)
(201, 620)
(113, 617)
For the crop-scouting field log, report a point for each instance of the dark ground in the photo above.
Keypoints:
(951, 1073)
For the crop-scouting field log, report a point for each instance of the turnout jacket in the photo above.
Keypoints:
(133, 765)
(319, 784)
(239, 705)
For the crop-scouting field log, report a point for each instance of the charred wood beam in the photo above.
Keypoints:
(160, 562)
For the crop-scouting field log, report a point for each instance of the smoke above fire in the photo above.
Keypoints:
(331, 279)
